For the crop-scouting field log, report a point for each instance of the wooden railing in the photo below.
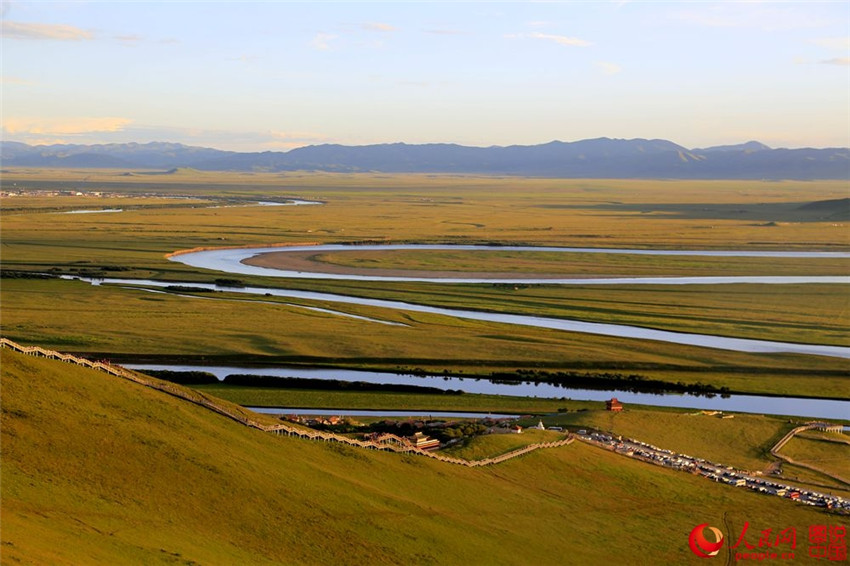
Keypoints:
(397, 444)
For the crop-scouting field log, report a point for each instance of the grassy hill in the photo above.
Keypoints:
(98, 470)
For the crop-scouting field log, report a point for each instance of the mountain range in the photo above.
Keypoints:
(592, 158)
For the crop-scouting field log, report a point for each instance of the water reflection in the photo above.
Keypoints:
(790, 406)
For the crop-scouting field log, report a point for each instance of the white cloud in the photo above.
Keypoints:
(609, 68)
(376, 26)
(16, 81)
(765, 16)
(21, 30)
(413, 83)
(322, 41)
(48, 141)
(291, 140)
(129, 38)
(841, 43)
(244, 58)
(559, 39)
(71, 131)
(837, 61)
(445, 32)
(63, 126)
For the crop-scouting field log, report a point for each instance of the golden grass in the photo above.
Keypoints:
(99, 470)
(126, 324)
(425, 208)
(827, 452)
(490, 445)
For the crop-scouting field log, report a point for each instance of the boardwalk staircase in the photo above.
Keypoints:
(387, 442)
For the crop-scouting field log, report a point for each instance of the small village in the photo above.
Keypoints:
(416, 433)
(13, 192)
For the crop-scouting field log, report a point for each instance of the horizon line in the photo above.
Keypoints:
(493, 146)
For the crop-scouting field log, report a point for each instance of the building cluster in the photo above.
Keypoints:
(11, 190)
(711, 470)
(6, 192)
(315, 420)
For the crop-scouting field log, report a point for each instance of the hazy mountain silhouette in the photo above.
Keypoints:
(594, 158)
(749, 146)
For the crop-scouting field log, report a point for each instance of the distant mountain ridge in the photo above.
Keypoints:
(592, 158)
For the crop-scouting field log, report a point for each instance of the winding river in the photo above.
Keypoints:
(232, 261)
(790, 406)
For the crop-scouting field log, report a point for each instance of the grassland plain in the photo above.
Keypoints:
(100, 470)
(126, 325)
(445, 208)
(424, 263)
(793, 313)
(430, 208)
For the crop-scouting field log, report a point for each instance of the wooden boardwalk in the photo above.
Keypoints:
(792, 433)
(394, 444)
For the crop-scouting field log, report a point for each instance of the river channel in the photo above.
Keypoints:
(232, 261)
(790, 406)
(619, 330)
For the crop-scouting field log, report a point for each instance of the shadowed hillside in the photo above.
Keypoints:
(100, 470)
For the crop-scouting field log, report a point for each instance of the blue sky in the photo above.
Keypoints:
(278, 75)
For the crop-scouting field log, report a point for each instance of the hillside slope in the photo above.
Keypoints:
(98, 470)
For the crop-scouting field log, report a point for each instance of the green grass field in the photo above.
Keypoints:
(305, 398)
(490, 445)
(828, 451)
(361, 207)
(100, 470)
(743, 441)
(516, 263)
(125, 324)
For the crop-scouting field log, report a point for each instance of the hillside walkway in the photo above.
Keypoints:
(244, 417)
(791, 434)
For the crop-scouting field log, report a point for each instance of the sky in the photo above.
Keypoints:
(272, 76)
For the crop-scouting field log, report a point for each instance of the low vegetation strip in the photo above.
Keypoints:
(239, 416)
(250, 380)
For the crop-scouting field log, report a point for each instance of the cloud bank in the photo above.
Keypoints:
(56, 32)
(64, 126)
